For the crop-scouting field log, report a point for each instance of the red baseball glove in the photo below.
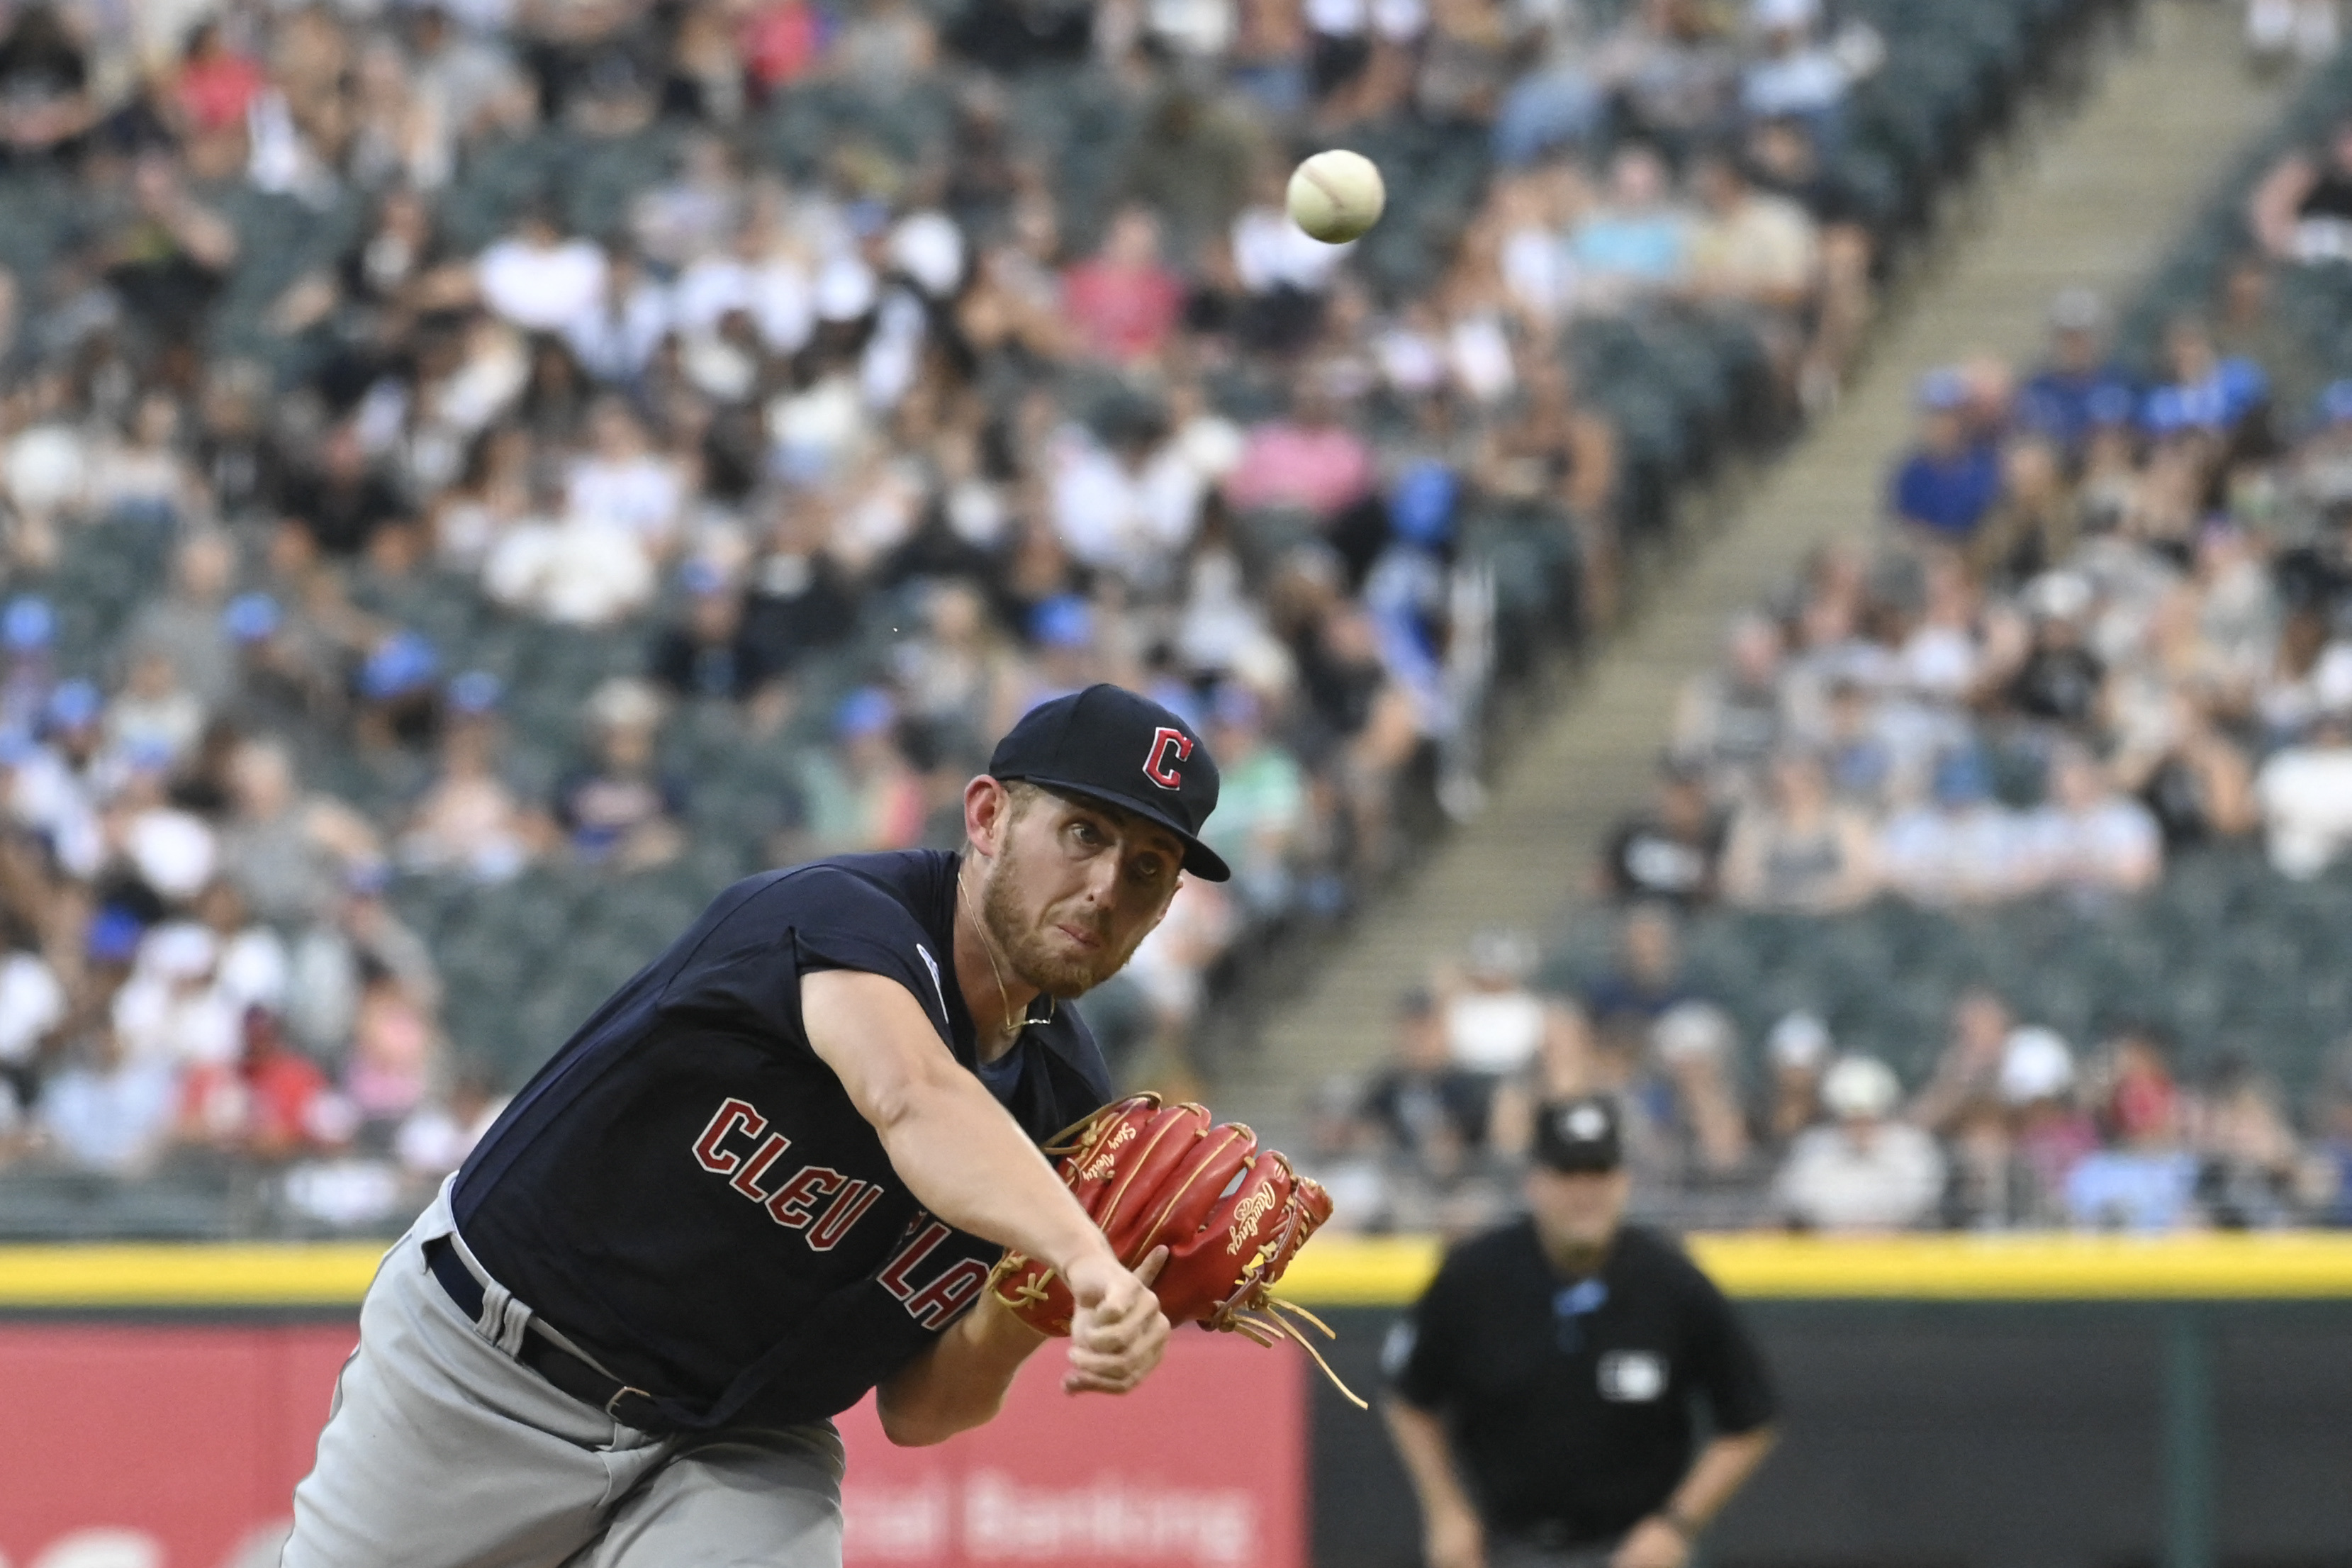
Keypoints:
(1231, 1216)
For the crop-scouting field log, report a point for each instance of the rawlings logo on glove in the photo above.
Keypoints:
(1231, 1216)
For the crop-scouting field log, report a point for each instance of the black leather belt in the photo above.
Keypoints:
(630, 1406)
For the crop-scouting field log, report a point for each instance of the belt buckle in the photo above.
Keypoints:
(619, 1394)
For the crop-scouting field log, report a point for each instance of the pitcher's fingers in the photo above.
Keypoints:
(1102, 1338)
(1106, 1376)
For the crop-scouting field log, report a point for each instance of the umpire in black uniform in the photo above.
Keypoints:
(1545, 1391)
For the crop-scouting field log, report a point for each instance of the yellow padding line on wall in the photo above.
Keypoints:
(2013, 1268)
(167, 1275)
(1337, 1271)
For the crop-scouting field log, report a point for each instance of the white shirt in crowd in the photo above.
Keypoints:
(1131, 520)
(615, 339)
(1881, 1176)
(174, 851)
(1493, 1031)
(172, 1011)
(544, 288)
(577, 570)
(1937, 857)
(777, 293)
(642, 494)
(51, 799)
(2113, 844)
(32, 1003)
(1270, 251)
(433, 1141)
(2306, 798)
(113, 1119)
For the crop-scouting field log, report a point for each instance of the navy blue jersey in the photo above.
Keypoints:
(688, 1191)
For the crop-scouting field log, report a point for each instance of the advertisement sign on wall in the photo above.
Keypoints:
(177, 1446)
(1203, 1466)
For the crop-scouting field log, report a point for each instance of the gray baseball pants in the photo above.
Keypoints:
(442, 1452)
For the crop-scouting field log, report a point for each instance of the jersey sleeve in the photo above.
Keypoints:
(1728, 1366)
(820, 918)
(1421, 1358)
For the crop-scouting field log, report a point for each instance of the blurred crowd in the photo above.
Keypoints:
(2105, 622)
(2108, 620)
(2015, 1126)
(274, 344)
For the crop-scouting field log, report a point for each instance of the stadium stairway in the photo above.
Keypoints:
(2092, 199)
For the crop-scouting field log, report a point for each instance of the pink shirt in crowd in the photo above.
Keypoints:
(1319, 467)
(1125, 313)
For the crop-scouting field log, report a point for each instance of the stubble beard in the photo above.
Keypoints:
(1024, 946)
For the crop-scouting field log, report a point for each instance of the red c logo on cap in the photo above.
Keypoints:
(1160, 768)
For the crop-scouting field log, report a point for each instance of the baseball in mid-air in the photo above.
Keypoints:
(1336, 195)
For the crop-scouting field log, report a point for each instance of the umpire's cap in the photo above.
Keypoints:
(1579, 1135)
(1109, 744)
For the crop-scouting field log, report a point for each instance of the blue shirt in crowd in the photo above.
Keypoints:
(1948, 496)
(2235, 389)
(2066, 406)
(2121, 1189)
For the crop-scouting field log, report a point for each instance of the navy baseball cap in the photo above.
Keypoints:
(1579, 1135)
(1109, 744)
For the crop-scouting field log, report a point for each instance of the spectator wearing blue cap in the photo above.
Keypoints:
(621, 808)
(288, 669)
(59, 792)
(251, 619)
(1949, 480)
(73, 713)
(27, 639)
(712, 650)
(860, 794)
(29, 625)
(397, 692)
(49, 781)
(401, 665)
(1062, 633)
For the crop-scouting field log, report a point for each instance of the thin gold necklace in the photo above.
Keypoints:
(988, 949)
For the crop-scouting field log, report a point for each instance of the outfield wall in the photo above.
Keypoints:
(2006, 1401)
